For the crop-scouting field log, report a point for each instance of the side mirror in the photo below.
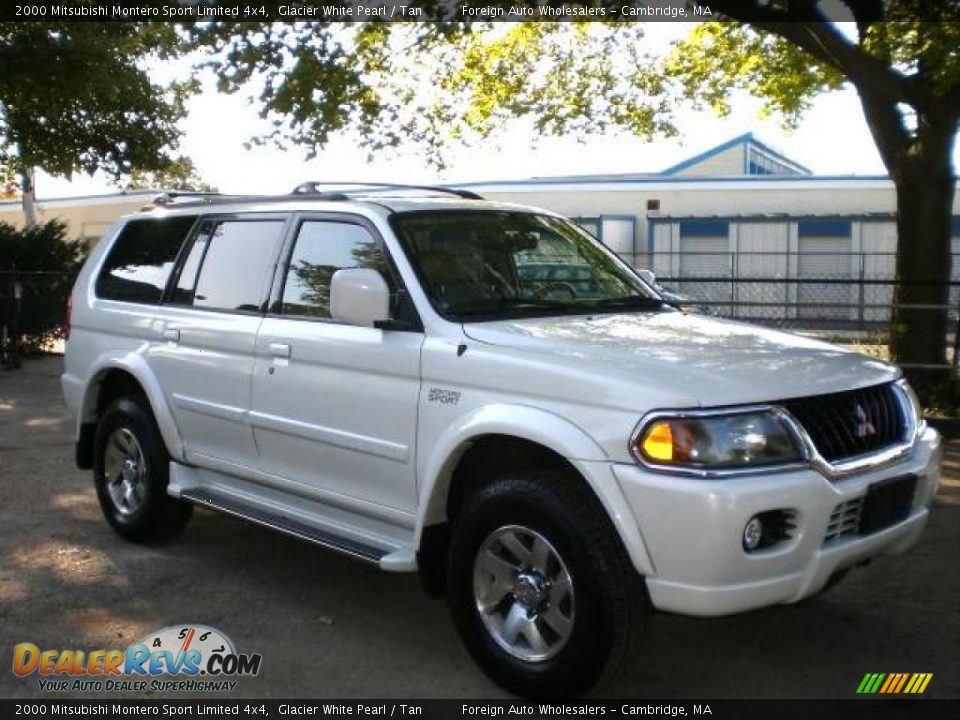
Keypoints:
(647, 276)
(359, 296)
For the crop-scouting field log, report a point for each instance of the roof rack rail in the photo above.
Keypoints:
(171, 196)
(311, 188)
(183, 199)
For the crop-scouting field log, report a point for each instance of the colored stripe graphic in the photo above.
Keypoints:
(894, 683)
(903, 679)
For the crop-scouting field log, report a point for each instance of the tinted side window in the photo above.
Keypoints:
(321, 249)
(229, 264)
(139, 263)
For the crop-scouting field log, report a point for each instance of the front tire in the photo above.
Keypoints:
(131, 470)
(541, 589)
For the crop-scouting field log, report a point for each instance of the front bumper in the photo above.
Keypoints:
(692, 530)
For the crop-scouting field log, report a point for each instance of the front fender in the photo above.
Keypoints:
(134, 364)
(539, 426)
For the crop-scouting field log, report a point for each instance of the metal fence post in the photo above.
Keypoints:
(860, 314)
(734, 296)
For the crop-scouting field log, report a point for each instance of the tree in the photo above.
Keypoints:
(569, 78)
(312, 80)
(76, 97)
(180, 174)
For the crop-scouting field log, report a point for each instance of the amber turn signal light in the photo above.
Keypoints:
(657, 442)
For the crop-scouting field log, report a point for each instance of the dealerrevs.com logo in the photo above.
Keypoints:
(189, 657)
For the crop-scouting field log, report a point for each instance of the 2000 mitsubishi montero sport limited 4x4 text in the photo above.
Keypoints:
(483, 393)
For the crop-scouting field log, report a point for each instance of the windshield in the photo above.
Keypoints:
(490, 264)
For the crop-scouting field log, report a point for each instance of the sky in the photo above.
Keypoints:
(832, 139)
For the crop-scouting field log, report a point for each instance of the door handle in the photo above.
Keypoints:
(171, 334)
(281, 350)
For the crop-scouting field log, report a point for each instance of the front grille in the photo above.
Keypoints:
(848, 424)
(844, 520)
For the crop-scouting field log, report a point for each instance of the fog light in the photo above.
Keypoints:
(752, 533)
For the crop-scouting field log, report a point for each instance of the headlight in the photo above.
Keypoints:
(716, 442)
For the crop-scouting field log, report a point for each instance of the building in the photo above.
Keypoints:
(745, 228)
(86, 218)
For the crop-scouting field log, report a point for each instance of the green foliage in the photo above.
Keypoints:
(434, 85)
(76, 97)
(314, 79)
(180, 174)
(720, 57)
(45, 264)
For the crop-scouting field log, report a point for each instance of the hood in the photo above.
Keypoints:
(691, 359)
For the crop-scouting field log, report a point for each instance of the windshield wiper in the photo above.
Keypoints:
(638, 302)
(487, 306)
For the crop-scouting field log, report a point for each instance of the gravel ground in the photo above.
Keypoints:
(329, 627)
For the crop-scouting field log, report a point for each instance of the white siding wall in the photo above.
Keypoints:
(665, 261)
(619, 235)
(877, 237)
(728, 162)
(825, 258)
(761, 253)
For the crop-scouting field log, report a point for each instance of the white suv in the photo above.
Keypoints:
(483, 393)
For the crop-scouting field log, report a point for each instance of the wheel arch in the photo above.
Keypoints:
(115, 377)
(533, 433)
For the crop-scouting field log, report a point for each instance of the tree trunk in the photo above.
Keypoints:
(29, 198)
(919, 324)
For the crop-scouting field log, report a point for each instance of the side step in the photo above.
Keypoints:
(288, 526)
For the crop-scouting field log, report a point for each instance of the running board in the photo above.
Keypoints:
(288, 526)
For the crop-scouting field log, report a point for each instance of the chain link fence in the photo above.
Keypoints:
(842, 297)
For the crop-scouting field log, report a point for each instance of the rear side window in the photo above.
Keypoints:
(139, 263)
(229, 264)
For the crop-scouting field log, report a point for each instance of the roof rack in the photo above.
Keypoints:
(182, 198)
(172, 196)
(312, 188)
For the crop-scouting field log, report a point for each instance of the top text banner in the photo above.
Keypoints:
(397, 11)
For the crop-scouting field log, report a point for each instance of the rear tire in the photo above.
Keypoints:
(131, 470)
(540, 587)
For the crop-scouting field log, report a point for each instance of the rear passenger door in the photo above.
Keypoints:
(205, 335)
(334, 406)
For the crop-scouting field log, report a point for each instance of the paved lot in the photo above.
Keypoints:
(329, 627)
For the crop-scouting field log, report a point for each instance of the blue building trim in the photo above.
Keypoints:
(704, 228)
(662, 180)
(824, 228)
(781, 217)
(955, 227)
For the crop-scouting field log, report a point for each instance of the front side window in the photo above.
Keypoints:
(322, 248)
(229, 265)
(485, 265)
(139, 263)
